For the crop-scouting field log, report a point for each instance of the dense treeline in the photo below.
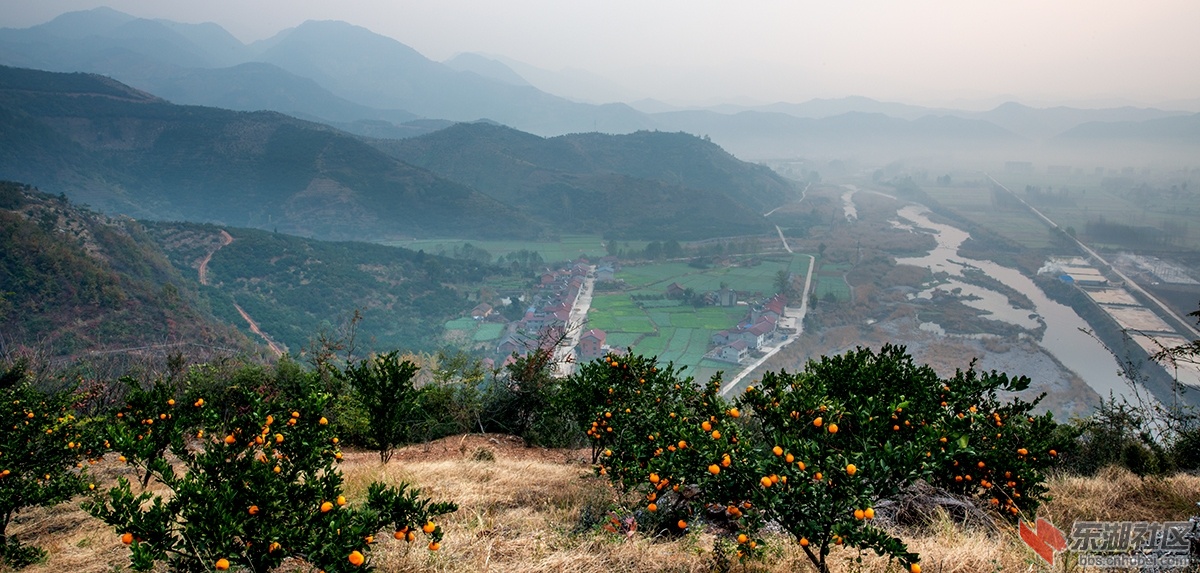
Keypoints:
(294, 287)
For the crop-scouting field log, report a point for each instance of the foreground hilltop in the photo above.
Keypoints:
(526, 509)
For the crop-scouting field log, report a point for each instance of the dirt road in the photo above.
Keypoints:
(226, 239)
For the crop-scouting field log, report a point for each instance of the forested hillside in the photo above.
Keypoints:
(73, 281)
(649, 185)
(296, 288)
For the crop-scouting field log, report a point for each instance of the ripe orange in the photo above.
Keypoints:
(222, 564)
(356, 558)
(734, 413)
(341, 500)
(326, 507)
(230, 439)
(278, 438)
(323, 421)
(273, 547)
(803, 542)
(716, 434)
(1022, 451)
(765, 481)
(789, 458)
(127, 538)
(654, 478)
(859, 514)
(707, 427)
(429, 527)
(851, 469)
(410, 536)
(833, 428)
(253, 510)
(818, 476)
(714, 469)
(915, 568)
(777, 450)
(652, 507)
(869, 513)
(682, 524)
(818, 422)
(742, 538)
(199, 402)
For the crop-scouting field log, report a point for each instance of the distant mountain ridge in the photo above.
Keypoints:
(372, 85)
(125, 151)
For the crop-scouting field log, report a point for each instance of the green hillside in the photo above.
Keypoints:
(295, 288)
(646, 185)
(74, 281)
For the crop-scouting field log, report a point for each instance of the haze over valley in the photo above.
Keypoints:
(493, 198)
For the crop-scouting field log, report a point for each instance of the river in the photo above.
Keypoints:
(1063, 338)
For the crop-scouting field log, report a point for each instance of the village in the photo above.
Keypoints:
(555, 318)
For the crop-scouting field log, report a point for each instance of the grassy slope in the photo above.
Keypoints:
(523, 513)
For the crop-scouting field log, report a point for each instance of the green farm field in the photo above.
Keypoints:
(1013, 223)
(671, 329)
(474, 330)
(568, 248)
(1078, 199)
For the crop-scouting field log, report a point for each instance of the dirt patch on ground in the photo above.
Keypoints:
(499, 446)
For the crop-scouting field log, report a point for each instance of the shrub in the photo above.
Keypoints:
(42, 445)
(812, 451)
(260, 485)
(383, 386)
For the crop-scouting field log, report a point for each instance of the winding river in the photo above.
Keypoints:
(1063, 338)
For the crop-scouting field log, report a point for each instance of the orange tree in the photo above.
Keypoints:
(1004, 449)
(149, 423)
(260, 485)
(811, 451)
(383, 387)
(42, 445)
(644, 425)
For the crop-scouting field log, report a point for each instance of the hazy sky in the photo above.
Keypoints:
(706, 51)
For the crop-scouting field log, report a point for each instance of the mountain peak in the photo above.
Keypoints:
(84, 23)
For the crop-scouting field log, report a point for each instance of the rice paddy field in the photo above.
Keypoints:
(831, 278)
(475, 331)
(674, 330)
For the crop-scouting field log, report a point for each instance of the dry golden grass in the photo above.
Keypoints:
(522, 513)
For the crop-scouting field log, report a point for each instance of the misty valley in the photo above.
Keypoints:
(324, 242)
